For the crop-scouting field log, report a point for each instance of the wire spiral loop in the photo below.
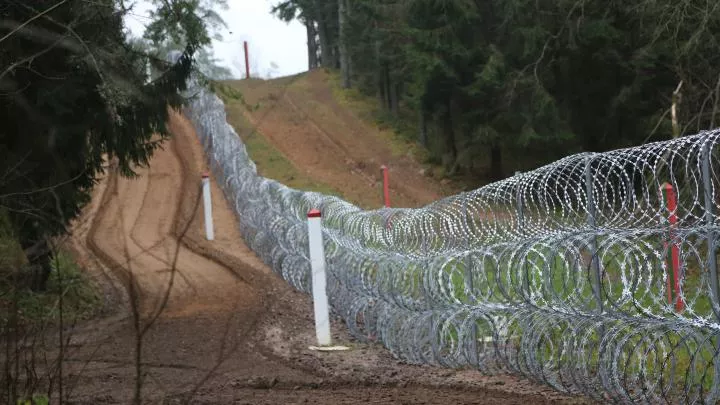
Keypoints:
(596, 274)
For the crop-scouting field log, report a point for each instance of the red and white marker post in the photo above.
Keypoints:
(319, 282)
(386, 185)
(247, 60)
(673, 260)
(207, 203)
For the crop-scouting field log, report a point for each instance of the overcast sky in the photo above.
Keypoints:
(269, 39)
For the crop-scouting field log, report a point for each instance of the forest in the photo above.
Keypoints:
(494, 86)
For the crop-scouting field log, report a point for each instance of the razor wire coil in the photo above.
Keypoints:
(570, 274)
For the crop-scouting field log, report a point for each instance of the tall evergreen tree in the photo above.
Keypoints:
(166, 33)
(75, 95)
(486, 78)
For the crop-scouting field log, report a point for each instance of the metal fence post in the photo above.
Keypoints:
(706, 155)
(435, 331)
(521, 226)
(469, 284)
(595, 260)
(673, 260)
(709, 222)
(519, 204)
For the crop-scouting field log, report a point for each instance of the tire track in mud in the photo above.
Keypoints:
(135, 227)
(142, 234)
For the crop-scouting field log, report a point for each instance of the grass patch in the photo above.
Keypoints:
(273, 164)
(67, 281)
(35, 400)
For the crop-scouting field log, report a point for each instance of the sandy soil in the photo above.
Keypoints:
(231, 331)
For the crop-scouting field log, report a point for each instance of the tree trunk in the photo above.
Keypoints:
(336, 55)
(381, 90)
(328, 38)
(325, 50)
(423, 129)
(318, 51)
(380, 75)
(394, 102)
(43, 274)
(333, 32)
(387, 88)
(344, 59)
(40, 258)
(449, 133)
(496, 171)
(348, 16)
(312, 45)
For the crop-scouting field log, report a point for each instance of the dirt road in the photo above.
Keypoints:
(231, 331)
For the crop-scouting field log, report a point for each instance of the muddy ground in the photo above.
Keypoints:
(231, 331)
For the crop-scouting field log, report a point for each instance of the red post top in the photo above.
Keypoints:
(314, 214)
(386, 185)
(670, 195)
(205, 175)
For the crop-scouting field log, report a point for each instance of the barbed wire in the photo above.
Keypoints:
(596, 274)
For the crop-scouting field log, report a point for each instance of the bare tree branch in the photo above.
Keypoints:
(29, 58)
(35, 17)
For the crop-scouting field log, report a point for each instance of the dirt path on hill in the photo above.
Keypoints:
(231, 331)
(303, 120)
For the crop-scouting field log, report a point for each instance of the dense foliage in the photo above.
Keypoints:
(75, 96)
(166, 33)
(484, 80)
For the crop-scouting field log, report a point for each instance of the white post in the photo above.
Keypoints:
(209, 232)
(317, 260)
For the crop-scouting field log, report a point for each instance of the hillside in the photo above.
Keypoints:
(308, 133)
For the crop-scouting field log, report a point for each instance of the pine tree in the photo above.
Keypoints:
(74, 95)
(547, 78)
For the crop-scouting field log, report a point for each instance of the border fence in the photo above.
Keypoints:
(596, 274)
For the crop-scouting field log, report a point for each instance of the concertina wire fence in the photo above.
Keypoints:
(580, 274)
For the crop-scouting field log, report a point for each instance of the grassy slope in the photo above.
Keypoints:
(398, 134)
(271, 163)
